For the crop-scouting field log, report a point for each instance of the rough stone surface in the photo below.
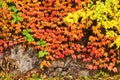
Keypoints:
(76, 68)
(23, 60)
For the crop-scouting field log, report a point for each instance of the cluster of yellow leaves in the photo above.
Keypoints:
(114, 22)
(117, 42)
(72, 17)
(107, 15)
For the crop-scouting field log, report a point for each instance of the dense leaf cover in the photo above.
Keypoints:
(88, 30)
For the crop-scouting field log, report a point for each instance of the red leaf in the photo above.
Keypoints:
(57, 45)
(15, 42)
(58, 53)
(114, 60)
(79, 56)
(100, 55)
(78, 45)
(1, 49)
(72, 45)
(82, 56)
(1, 42)
(74, 56)
(89, 50)
(49, 50)
(61, 56)
(95, 67)
(84, 49)
(84, 60)
(115, 70)
(91, 53)
(71, 51)
(89, 58)
(5, 45)
(11, 43)
(89, 47)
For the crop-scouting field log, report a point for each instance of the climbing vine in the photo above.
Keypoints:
(84, 30)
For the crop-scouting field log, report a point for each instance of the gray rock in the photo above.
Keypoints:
(24, 61)
(58, 63)
(83, 73)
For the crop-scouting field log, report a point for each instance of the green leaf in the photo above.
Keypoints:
(1, 2)
(28, 35)
(13, 8)
(35, 77)
(42, 53)
(30, 39)
(41, 43)
(26, 31)
(16, 17)
(15, 20)
(19, 18)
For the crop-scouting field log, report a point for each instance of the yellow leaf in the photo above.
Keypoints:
(110, 34)
(117, 42)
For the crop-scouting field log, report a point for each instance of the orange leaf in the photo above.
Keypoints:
(90, 67)
(105, 65)
(78, 49)
(48, 64)
(78, 1)
(110, 68)
(105, 54)
(112, 64)
(94, 61)
(106, 59)
(97, 63)
(111, 51)
(101, 66)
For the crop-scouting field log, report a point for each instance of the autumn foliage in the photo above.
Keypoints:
(85, 30)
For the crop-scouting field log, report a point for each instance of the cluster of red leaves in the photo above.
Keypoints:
(46, 23)
(103, 56)
(103, 59)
